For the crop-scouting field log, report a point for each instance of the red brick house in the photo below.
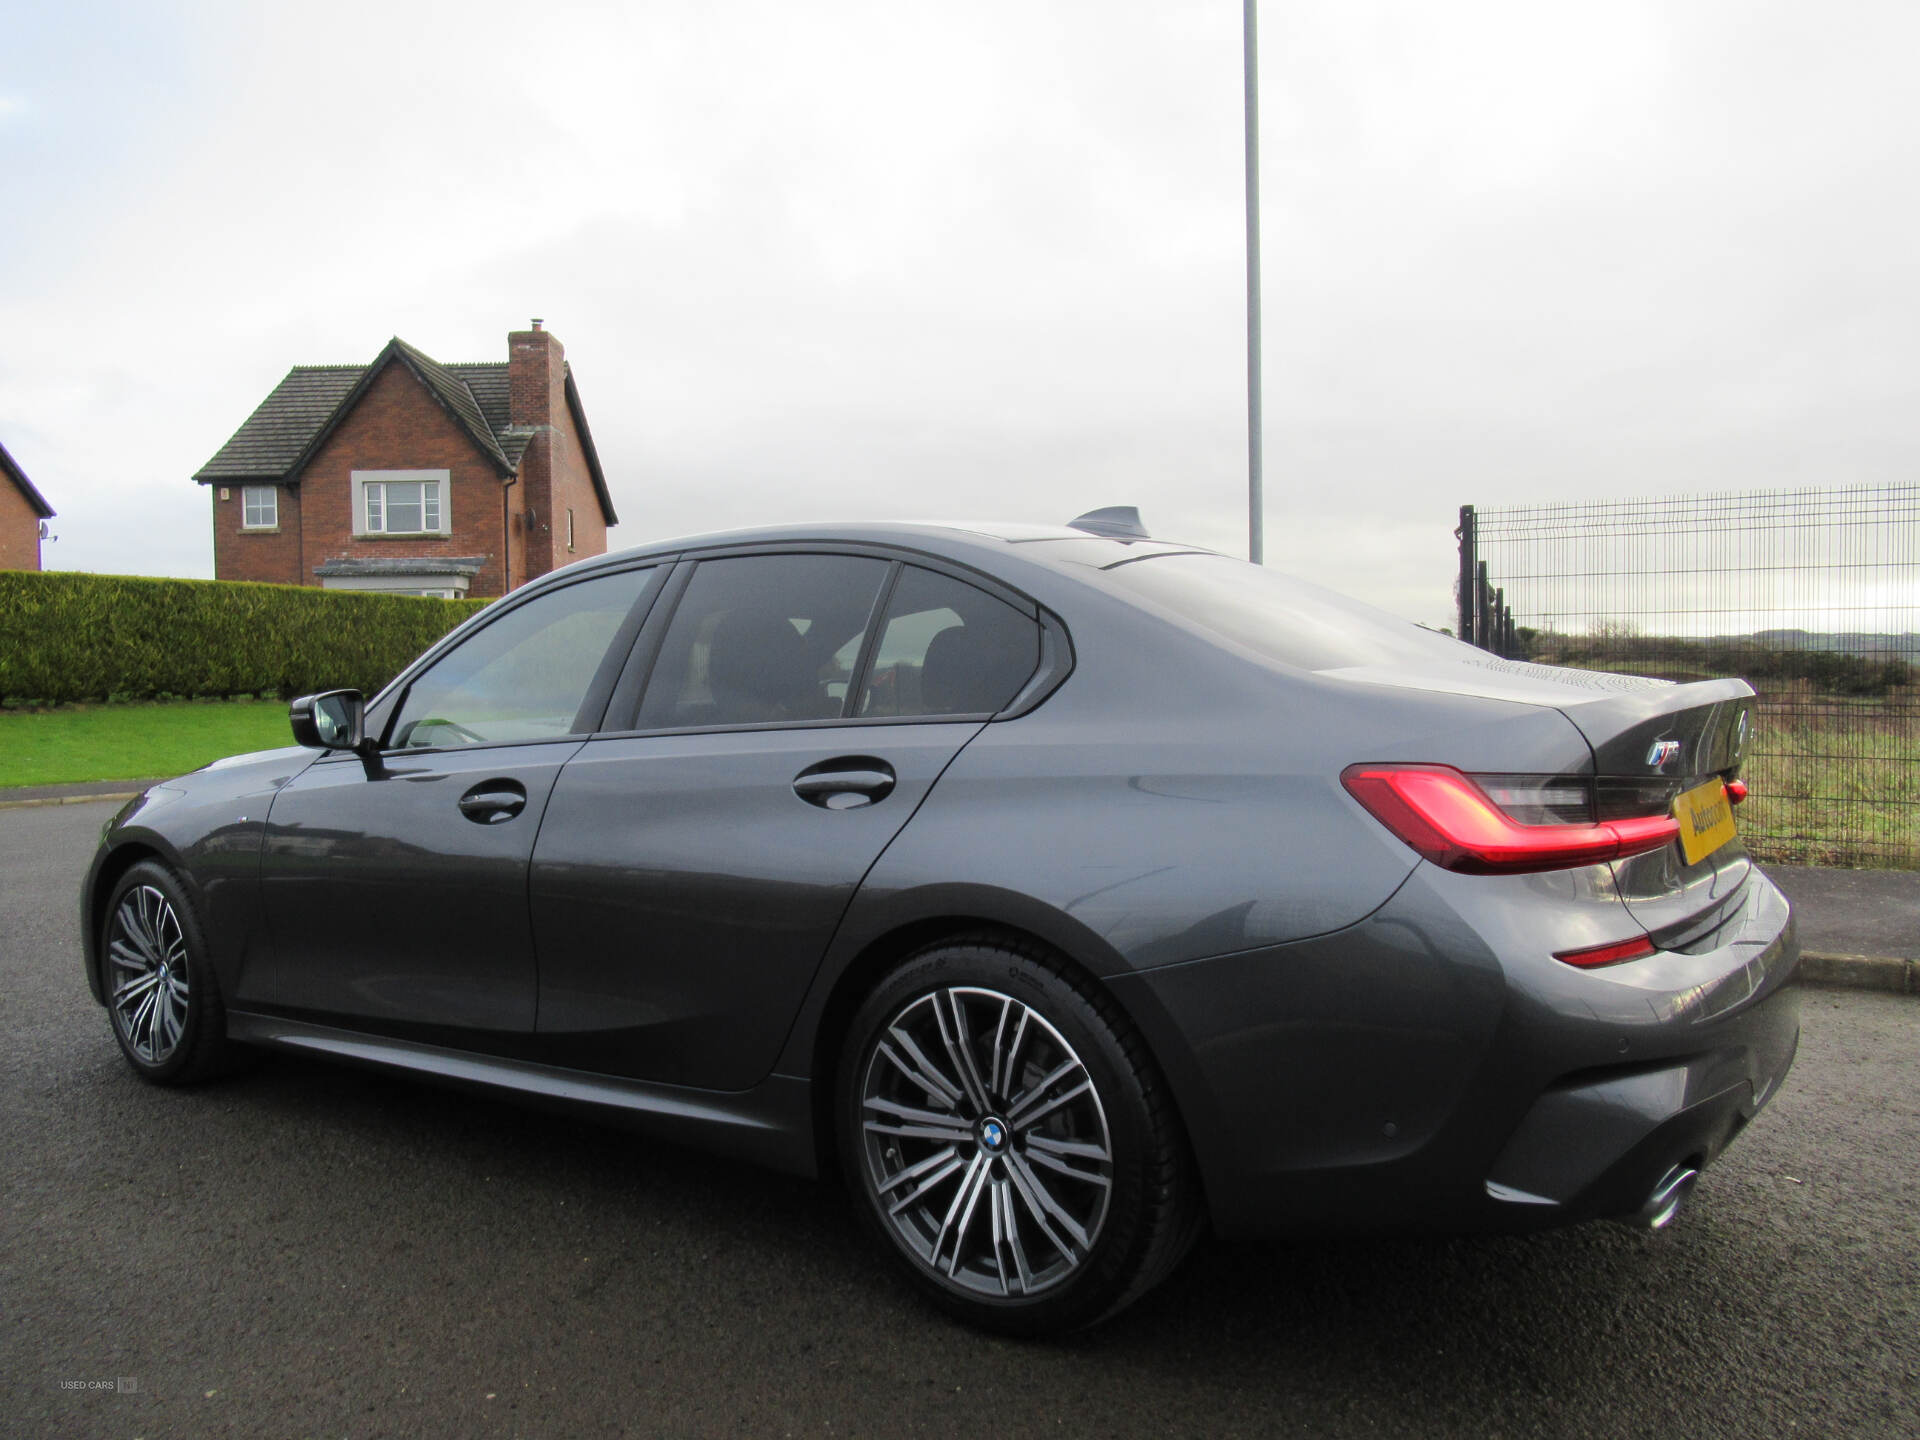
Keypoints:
(22, 511)
(413, 477)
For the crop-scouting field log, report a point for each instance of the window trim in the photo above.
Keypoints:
(273, 492)
(1057, 658)
(442, 480)
(926, 560)
(870, 643)
(1055, 664)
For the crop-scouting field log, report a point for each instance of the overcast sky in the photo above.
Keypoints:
(930, 259)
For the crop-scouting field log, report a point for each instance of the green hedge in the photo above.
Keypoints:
(66, 636)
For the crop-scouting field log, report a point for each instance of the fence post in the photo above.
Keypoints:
(1464, 591)
(1482, 606)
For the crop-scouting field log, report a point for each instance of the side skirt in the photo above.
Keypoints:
(771, 1124)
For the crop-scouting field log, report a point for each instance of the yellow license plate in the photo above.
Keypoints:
(1706, 819)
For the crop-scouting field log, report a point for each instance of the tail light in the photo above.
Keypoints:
(1613, 953)
(1499, 825)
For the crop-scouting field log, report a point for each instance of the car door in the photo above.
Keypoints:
(395, 889)
(692, 870)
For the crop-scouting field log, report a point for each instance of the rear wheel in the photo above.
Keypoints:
(1012, 1141)
(162, 996)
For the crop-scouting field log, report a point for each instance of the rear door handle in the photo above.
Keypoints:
(493, 802)
(846, 783)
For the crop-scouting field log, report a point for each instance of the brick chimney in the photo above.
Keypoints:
(536, 376)
(536, 394)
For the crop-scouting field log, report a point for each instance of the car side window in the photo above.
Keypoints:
(524, 676)
(762, 639)
(948, 648)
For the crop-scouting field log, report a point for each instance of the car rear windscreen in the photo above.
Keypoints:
(1276, 616)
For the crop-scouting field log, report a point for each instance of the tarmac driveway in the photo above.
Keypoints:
(312, 1250)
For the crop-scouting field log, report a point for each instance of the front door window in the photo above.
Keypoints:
(525, 676)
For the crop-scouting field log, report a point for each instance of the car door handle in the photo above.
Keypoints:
(493, 802)
(846, 783)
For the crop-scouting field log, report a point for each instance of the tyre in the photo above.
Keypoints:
(1009, 1138)
(162, 996)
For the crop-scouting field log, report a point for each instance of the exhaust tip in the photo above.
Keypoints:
(1662, 1206)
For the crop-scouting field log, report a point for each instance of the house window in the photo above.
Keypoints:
(569, 527)
(400, 502)
(259, 507)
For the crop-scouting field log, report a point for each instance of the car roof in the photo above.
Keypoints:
(1058, 547)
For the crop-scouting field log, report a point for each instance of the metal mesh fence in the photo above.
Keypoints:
(1812, 595)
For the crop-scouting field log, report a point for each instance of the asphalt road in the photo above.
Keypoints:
(1854, 912)
(319, 1251)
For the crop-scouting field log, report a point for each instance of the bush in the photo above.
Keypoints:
(66, 636)
(1831, 672)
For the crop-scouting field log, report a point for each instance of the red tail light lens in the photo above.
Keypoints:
(1607, 954)
(1736, 791)
(1450, 820)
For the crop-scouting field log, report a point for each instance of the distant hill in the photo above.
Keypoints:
(1844, 642)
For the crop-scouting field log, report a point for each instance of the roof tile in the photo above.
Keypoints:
(401, 565)
(279, 435)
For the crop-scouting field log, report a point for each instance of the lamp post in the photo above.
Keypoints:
(1256, 500)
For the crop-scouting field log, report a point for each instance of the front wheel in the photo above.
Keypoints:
(1012, 1141)
(162, 995)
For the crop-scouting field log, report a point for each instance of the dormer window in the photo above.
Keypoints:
(400, 502)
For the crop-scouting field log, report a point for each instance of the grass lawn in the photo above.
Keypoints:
(1839, 788)
(133, 742)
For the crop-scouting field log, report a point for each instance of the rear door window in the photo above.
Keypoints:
(763, 639)
(947, 648)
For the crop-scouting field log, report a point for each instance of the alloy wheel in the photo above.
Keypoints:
(985, 1143)
(149, 987)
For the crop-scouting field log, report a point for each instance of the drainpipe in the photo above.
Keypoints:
(506, 535)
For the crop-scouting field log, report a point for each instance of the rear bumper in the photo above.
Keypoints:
(1433, 1067)
(1598, 1147)
(1597, 1144)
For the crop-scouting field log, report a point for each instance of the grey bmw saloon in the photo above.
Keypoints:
(1065, 890)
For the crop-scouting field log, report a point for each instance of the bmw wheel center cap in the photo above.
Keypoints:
(993, 1135)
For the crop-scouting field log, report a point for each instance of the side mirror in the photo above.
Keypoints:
(333, 720)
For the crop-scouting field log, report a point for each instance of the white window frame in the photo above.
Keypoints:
(569, 528)
(364, 480)
(248, 495)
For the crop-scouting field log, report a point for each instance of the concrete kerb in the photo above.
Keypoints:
(1860, 972)
(86, 792)
(121, 796)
